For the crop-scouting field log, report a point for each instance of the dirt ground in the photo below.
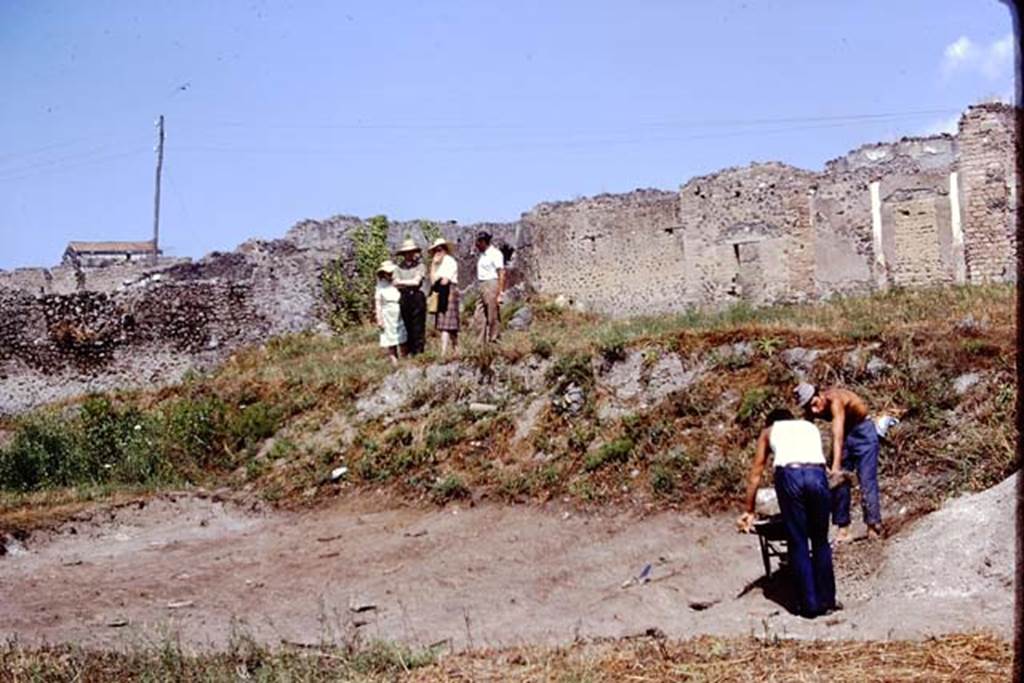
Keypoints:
(489, 575)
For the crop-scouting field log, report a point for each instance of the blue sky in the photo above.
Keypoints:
(465, 110)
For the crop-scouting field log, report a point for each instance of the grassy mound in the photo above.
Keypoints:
(275, 419)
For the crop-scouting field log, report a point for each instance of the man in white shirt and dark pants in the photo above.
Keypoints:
(801, 485)
(490, 275)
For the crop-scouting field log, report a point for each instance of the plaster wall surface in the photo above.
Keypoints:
(616, 253)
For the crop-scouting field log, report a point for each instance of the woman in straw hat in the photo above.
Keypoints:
(387, 309)
(409, 279)
(444, 281)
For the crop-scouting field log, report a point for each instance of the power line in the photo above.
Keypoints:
(72, 166)
(87, 154)
(522, 144)
(520, 126)
(9, 156)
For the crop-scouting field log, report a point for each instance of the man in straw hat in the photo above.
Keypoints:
(409, 278)
(490, 275)
(855, 448)
(444, 282)
(386, 308)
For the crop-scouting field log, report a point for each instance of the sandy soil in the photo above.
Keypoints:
(469, 576)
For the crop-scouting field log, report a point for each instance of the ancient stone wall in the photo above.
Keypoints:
(618, 253)
(129, 328)
(874, 205)
(919, 211)
(989, 192)
(748, 235)
(66, 279)
(916, 212)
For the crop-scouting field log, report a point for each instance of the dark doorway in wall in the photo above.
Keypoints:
(749, 276)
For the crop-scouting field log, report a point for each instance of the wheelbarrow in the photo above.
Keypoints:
(771, 535)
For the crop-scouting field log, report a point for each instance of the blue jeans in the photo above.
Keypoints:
(860, 455)
(804, 500)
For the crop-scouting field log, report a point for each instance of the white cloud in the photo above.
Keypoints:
(992, 62)
(958, 53)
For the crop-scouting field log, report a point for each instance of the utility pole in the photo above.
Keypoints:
(156, 197)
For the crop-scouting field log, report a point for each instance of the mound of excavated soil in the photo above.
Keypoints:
(964, 551)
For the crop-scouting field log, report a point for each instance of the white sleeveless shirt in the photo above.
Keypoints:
(795, 442)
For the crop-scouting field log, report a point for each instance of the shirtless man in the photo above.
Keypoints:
(854, 448)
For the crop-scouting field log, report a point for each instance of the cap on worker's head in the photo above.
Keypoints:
(484, 236)
(803, 393)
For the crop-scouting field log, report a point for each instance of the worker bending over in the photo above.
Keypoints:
(855, 448)
(801, 486)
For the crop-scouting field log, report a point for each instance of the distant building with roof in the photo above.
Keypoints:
(99, 254)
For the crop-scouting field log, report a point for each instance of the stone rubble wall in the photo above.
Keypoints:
(616, 253)
(915, 212)
(129, 328)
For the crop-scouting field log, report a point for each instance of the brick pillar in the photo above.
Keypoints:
(987, 184)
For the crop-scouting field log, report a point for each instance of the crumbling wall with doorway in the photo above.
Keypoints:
(883, 217)
(616, 253)
(748, 235)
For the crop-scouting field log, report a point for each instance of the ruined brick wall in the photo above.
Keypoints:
(621, 253)
(145, 328)
(917, 234)
(919, 211)
(988, 192)
(748, 235)
(66, 279)
(906, 239)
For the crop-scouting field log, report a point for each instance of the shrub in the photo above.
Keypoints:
(42, 454)
(193, 431)
(667, 470)
(252, 424)
(469, 303)
(618, 450)
(581, 437)
(449, 488)
(381, 657)
(481, 357)
(753, 404)
(695, 401)
(399, 436)
(509, 310)
(663, 481)
(430, 231)
(444, 435)
(348, 296)
(98, 444)
(573, 368)
(612, 345)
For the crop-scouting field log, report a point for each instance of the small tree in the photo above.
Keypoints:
(430, 231)
(349, 297)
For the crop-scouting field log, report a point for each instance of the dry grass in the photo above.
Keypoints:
(968, 657)
(951, 658)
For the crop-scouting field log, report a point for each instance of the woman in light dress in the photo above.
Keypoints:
(444, 282)
(386, 308)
